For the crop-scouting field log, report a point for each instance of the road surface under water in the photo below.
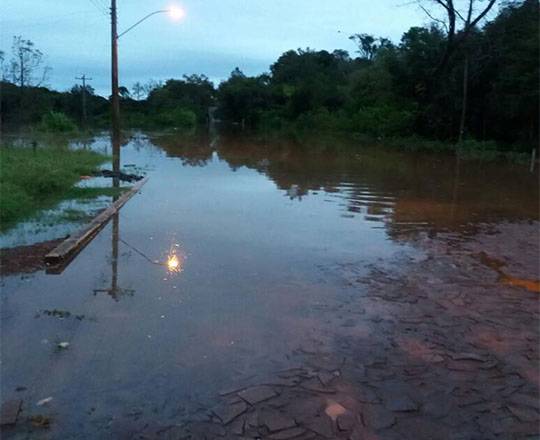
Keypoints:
(352, 289)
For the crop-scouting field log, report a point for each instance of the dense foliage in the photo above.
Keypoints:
(400, 90)
(485, 89)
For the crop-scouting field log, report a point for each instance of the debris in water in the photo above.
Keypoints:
(60, 314)
(40, 421)
(63, 345)
(530, 285)
(334, 410)
(44, 401)
(497, 265)
(124, 177)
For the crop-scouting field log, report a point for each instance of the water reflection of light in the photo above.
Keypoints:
(173, 263)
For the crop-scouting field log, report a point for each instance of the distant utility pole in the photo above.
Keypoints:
(84, 78)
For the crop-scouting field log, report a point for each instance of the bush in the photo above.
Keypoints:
(177, 118)
(57, 122)
(323, 120)
(272, 120)
(383, 121)
(473, 149)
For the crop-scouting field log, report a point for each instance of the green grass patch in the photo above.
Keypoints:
(92, 193)
(32, 180)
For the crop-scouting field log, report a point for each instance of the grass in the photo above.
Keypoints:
(32, 180)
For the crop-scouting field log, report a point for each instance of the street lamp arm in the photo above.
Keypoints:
(141, 20)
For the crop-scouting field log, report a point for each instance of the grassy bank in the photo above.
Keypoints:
(34, 180)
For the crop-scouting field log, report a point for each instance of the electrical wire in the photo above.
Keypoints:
(141, 253)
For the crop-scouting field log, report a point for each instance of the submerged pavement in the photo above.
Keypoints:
(312, 298)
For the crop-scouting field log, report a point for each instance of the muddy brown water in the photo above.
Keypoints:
(283, 256)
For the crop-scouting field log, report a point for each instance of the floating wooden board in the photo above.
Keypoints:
(63, 254)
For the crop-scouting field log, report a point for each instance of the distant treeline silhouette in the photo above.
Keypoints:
(480, 85)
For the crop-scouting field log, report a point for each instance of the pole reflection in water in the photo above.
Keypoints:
(115, 291)
(114, 253)
(174, 261)
(116, 157)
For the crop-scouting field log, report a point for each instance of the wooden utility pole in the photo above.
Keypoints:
(84, 78)
(115, 100)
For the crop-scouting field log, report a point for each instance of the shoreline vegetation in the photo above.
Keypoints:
(34, 179)
(466, 150)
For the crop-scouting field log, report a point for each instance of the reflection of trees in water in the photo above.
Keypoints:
(409, 192)
(139, 142)
(48, 140)
(193, 150)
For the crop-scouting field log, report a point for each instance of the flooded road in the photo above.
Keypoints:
(282, 291)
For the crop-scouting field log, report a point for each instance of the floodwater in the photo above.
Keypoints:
(240, 259)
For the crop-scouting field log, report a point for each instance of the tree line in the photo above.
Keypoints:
(446, 82)
(462, 78)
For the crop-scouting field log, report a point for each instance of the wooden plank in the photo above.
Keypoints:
(70, 247)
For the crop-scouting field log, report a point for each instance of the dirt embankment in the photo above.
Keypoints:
(25, 259)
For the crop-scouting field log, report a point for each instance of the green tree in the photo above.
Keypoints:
(368, 45)
(243, 99)
(511, 72)
(194, 93)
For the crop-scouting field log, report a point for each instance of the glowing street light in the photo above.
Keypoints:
(176, 12)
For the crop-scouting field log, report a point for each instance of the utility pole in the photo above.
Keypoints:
(115, 100)
(84, 78)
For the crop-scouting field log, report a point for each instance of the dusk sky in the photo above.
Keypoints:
(213, 38)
